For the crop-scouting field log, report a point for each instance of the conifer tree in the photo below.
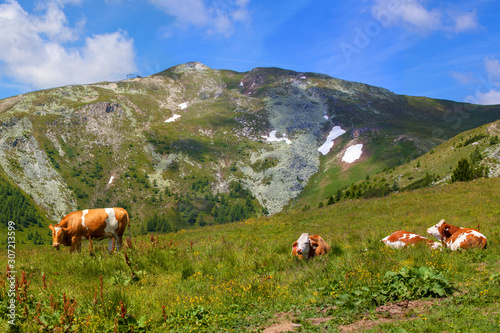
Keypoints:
(463, 171)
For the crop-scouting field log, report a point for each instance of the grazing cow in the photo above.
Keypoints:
(309, 246)
(95, 223)
(457, 238)
(401, 238)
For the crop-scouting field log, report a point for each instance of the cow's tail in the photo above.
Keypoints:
(129, 240)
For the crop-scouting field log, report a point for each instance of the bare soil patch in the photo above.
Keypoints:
(388, 313)
(282, 323)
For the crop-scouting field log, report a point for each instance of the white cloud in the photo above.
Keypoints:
(35, 49)
(492, 67)
(491, 97)
(464, 22)
(487, 92)
(415, 17)
(464, 78)
(217, 17)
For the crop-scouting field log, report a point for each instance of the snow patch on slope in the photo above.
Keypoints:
(181, 106)
(334, 133)
(272, 138)
(173, 118)
(353, 153)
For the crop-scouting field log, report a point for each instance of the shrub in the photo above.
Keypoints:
(470, 169)
(406, 284)
(414, 283)
(463, 171)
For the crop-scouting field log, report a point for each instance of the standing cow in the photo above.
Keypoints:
(96, 223)
(457, 238)
(309, 246)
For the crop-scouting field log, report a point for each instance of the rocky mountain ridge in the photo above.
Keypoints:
(145, 142)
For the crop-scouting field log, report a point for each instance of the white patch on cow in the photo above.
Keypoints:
(396, 244)
(111, 179)
(57, 230)
(353, 153)
(334, 133)
(303, 244)
(463, 237)
(434, 230)
(477, 234)
(111, 222)
(184, 105)
(411, 236)
(84, 212)
(458, 241)
(436, 245)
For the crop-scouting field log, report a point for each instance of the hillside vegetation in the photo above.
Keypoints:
(178, 143)
(221, 172)
(479, 146)
(240, 277)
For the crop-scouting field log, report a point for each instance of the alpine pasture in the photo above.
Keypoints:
(241, 277)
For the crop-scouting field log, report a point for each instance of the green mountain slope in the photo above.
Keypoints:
(241, 277)
(190, 143)
(434, 168)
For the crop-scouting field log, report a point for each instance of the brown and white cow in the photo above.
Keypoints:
(401, 238)
(96, 223)
(309, 246)
(457, 238)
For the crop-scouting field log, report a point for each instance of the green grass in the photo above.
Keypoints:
(238, 277)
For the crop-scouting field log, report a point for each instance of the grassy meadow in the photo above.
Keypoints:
(241, 277)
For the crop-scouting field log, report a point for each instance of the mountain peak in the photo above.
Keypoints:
(190, 66)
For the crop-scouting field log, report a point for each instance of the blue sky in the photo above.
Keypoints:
(447, 49)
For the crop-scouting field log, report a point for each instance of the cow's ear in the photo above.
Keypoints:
(314, 244)
(314, 238)
(51, 227)
(294, 244)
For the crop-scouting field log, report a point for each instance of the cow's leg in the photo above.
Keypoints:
(75, 244)
(118, 242)
(111, 243)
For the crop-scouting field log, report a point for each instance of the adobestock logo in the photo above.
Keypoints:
(383, 16)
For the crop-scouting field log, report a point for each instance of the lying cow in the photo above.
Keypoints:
(401, 238)
(95, 223)
(309, 246)
(457, 238)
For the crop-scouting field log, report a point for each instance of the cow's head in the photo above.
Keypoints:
(57, 236)
(303, 244)
(435, 230)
